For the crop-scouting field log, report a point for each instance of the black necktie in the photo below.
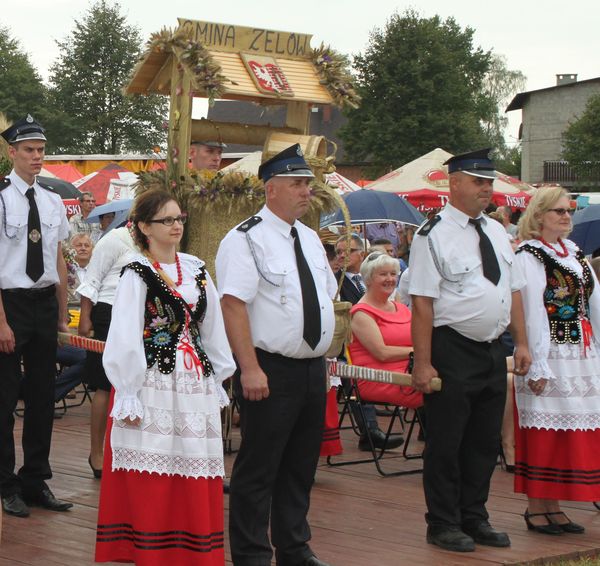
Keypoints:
(310, 301)
(491, 269)
(35, 256)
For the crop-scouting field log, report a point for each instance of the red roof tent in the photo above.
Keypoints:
(66, 172)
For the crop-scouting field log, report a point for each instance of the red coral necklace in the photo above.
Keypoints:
(163, 275)
(563, 253)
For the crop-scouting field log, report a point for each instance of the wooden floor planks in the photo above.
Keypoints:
(358, 518)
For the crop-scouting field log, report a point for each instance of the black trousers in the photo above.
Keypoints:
(33, 319)
(275, 467)
(464, 421)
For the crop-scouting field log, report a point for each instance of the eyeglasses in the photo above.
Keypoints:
(559, 211)
(170, 220)
(351, 250)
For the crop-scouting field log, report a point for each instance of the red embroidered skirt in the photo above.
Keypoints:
(558, 464)
(331, 445)
(157, 520)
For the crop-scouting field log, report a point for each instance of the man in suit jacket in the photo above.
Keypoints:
(352, 290)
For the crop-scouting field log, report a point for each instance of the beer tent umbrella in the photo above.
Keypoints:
(424, 182)
(109, 183)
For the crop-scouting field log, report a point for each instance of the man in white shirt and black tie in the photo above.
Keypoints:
(33, 306)
(277, 289)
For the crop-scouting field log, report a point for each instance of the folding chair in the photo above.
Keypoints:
(377, 454)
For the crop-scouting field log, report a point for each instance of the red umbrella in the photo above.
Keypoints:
(99, 182)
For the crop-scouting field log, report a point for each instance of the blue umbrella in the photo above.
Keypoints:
(368, 206)
(120, 207)
(586, 228)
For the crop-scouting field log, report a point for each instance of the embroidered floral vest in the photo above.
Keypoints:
(566, 296)
(164, 320)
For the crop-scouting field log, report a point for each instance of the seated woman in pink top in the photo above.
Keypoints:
(381, 332)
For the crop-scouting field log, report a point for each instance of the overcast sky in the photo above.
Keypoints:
(540, 39)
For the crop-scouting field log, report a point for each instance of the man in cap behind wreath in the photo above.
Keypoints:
(206, 154)
(33, 305)
(464, 287)
(277, 289)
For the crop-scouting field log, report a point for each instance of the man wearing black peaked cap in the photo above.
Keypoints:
(33, 305)
(465, 291)
(206, 154)
(277, 289)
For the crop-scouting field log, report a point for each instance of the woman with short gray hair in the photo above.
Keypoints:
(381, 332)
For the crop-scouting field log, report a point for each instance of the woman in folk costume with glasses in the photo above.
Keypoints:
(558, 401)
(166, 355)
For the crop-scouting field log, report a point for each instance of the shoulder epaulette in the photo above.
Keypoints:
(249, 223)
(424, 229)
(4, 182)
(47, 187)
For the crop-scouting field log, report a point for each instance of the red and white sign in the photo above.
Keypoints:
(72, 206)
(267, 74)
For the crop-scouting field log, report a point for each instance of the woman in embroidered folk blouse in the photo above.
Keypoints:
(166, 356)
(558, 401)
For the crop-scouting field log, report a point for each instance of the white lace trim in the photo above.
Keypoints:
(540, 370)
(129, 459)
(186, 383)
(129, 406)
(537, 419)
(167, 422)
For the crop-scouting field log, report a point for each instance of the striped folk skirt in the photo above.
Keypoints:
(558, 464)
(157, 520)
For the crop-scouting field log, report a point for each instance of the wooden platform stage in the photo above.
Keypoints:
(358, 518)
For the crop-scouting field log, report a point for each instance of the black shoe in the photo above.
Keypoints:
(226, 487)
(47, 500)
(313, 561)
(378, 438)
(569, 526)
(14, 505)
(483, 533)
(549, 528)
(450, 538)
(96, 471)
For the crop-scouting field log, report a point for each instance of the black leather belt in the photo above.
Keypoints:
(36, 293)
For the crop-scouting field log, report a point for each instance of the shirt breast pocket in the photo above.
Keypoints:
(51, 222)
(276, 271)
(463, 267)
(16, 226)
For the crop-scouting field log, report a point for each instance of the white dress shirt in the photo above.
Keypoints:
(446, 266)
(263, 273)
(13, 233)
(111, 254)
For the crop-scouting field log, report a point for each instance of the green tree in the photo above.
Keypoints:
(91, 112)
(500, 84)
(423, 85)
(581, 142)
(21, 89)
